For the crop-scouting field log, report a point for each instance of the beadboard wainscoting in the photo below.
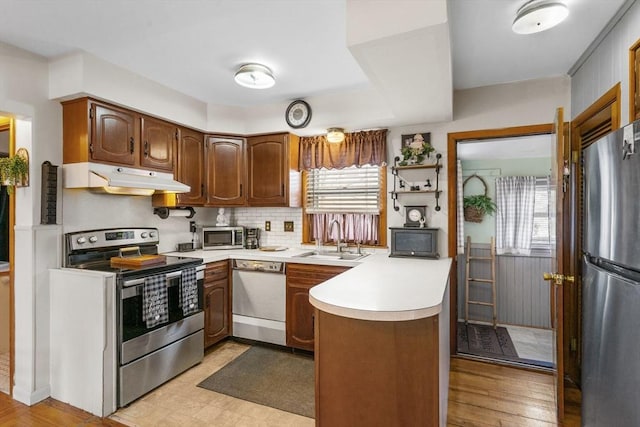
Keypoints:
(522, 295)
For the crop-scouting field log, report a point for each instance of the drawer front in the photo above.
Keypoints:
(216, 271)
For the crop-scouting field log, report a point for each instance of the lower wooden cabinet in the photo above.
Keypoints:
(300, 279)
(217, 303)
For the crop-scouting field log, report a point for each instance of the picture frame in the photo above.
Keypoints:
(409, 138)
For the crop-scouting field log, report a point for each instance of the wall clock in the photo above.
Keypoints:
(413, 215)
(298, 114)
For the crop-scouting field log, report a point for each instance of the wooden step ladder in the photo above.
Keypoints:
(491, 280)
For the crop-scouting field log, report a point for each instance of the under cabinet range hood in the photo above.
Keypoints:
(119, 179)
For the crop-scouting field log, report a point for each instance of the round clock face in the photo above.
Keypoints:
(298, 114)
(415, 215)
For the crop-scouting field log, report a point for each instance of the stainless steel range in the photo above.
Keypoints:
(152, 312)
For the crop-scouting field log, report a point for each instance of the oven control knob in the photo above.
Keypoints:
(81, 240)
(152, 234)
(144, 235)
(93, 239)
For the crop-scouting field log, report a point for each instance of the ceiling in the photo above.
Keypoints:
(506, 148)
(195, 46)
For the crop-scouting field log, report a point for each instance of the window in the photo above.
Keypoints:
(542, 237)
(353, 196)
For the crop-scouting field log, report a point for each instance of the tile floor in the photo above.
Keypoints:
(180, 402)
(532, 343)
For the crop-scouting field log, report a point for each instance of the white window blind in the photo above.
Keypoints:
(348, 190)
(542, 237)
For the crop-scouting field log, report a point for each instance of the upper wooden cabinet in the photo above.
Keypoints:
(272, 170)
(94, 131)
(113, 135)
(225, 171)
(191, 167)
(158, 142)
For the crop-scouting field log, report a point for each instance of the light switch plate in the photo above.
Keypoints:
(288, 226)
(267, 226)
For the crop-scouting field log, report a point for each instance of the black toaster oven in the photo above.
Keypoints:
(414, 242)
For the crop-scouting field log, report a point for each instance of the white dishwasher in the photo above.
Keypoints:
(259, 300)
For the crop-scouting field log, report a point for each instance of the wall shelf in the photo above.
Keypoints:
(400, 184)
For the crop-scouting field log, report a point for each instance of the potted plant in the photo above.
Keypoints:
(14, 171)
(477, 205)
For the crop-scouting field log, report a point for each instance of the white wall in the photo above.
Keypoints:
(607, 65)
(24, 96)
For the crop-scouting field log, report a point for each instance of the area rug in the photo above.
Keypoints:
(269, 377)
(483, 340)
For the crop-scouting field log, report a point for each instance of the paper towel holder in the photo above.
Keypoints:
(165, 213)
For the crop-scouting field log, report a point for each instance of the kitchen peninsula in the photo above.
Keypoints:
(382, 344)
(381, 338)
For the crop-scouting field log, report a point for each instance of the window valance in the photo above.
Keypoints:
(358, 148)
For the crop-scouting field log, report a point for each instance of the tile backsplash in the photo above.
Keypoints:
(256, 217)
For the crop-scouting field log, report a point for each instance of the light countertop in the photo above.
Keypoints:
(377, 288)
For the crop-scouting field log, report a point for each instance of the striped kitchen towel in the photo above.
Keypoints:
(189, 291)
(155, 301)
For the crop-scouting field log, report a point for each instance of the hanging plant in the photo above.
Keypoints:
(478, 205)
(14, 171)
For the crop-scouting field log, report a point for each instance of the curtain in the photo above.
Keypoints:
(357, 149)
(352, 228)
(460, 213)
(515, 196)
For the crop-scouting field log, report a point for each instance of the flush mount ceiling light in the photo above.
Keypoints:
(539, 15)
(335, 135)
(255, 76)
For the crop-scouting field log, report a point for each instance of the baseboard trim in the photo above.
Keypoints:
(31, 398)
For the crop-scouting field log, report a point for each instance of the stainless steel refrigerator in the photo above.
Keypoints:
(611, 281)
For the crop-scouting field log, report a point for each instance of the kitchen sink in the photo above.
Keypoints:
(331, 255)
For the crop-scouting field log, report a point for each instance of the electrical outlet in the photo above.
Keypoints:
(192, 226)
(288, 226)
(267, 226)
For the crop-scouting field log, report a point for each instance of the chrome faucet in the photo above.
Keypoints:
(339, 245)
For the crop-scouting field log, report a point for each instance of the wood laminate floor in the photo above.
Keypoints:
(480, 394)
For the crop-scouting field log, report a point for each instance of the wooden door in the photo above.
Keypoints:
(191, 167)
(559, 184)
(225, 171)
(158, 141)
(113, 135)
(268, 170)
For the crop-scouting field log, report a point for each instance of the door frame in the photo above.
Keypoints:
(7, 123)
(452, 193)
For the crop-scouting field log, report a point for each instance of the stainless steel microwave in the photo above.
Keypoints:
(414, 242)
(222, 237)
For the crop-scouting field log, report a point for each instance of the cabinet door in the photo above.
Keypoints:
(300, 322)
(158, 140)
(113, 135)
(225, 171)
(299, 316)
(191, 167)
(268, 170)
(216, 311)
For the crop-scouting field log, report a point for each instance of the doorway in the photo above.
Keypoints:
(504, 309)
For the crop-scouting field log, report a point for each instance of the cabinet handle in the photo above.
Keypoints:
(146, 148)
(131, 143)
(240, 190)
(313, 323)
(202, 189)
